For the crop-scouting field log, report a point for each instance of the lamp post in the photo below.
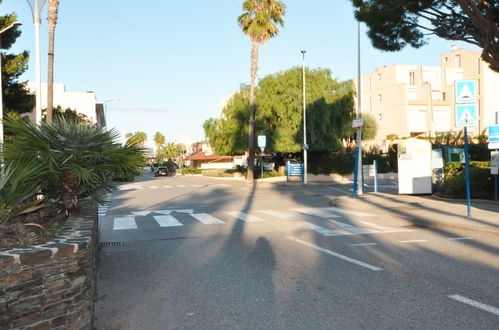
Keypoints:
(360, 183)
(105, 107)
(36, 9)
(1, 90)
(305, 146)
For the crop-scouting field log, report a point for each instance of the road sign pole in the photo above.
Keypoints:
(355, 169)
(261, 165)
(467, 171)
(496, 187)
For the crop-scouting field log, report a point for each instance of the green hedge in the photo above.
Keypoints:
(481, 181)
(191, 170)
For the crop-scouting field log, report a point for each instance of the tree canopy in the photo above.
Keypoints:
(393, 24)
(137, 138)
(16, 97)
(279, 114)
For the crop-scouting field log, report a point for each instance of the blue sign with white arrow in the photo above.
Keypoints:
(465, 91)
(466, 115)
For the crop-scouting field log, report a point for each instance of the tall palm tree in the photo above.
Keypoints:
(259, 21)
(53, 9)
(159, 139)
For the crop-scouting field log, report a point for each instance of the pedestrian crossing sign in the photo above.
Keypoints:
(466, 115)
(465, 91)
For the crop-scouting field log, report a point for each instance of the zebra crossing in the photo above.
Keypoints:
(302, 217)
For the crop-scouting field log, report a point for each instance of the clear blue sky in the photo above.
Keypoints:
(173, 62)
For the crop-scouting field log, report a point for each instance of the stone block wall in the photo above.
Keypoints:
(51, 285)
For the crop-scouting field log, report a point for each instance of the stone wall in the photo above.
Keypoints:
(51, 285)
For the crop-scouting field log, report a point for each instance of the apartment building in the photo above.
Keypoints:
(412, 100)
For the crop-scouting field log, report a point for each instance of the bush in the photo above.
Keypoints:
(220, 173)
(481, 181)
(267, 174)
(375, 153)
(191, 170)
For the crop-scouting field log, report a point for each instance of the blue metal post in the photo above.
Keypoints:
(261, 165)
(496, 187)
(287, 170)
(467, 171)
(375, 175)
(355, 169)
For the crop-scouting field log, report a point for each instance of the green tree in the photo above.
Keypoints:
(393, 23)
(330, 112)
(53, 9)
(78, 160)
(369, 129)
(159, 139)
(259, 21)
(169, 152)
(16, 97)
(137, 138)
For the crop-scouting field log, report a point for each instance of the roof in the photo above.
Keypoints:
(202, 156)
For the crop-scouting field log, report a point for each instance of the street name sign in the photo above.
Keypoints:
(262, 141)
(465, 91)
(494, 137)
(494, 163)
(466, 115)
(357, 123)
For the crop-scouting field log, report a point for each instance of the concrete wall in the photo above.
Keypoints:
(51, 285)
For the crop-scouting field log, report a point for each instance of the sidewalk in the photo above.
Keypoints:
(428, 211)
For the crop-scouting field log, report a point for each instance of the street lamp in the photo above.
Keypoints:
(36, 9)
(305, 146)
(105, 107)
(1, 90)
(360, 183)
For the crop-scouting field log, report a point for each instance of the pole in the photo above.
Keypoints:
(38, 69)
(467, 171)
(360, 182)
(304, 122)
(496, 186)
(261, 166)
(375, 175)
(356, 163)
(1, 96)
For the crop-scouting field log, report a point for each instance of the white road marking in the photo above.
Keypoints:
(245, 217)
(207, 219)
(163, 211)
(168, 186)
(414, 241)
(188, 211)
(475, 303)
(222, 185)
(460, 238)
(181, 185)
(196, 185)
(326, 231)
(142, 213)
(364, 244)
(339, 210)
(317, 212)
(137, 188)
(353, 229)
(124, 223)
(167, 221)
(281, 215)
(153, 187)
(337, 255)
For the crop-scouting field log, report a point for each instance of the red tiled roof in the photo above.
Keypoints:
(202, 156)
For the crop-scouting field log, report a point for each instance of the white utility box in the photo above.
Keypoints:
(414, 167)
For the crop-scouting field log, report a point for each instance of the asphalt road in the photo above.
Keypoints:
(198, 253)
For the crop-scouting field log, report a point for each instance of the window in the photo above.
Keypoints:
(443, 96)
(380, 116)
(457, 61)
(379, 97)
(378, 76)
(412, 78)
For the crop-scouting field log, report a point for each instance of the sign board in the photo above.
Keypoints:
(294, 169)
(466, 115)
(358, 123)
(262, 141)
(494, 137)
(465, 91)
(494, 163)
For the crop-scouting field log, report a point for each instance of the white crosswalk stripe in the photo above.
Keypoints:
(281, 215)
(167, 221)
(245, 217)
(207, 219)
(124, 223)
(318, 212)
(353, 229)
(343, 211)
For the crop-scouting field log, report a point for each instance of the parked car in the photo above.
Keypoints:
(162, 171)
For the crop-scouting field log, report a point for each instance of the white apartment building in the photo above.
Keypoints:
(412, 100)
(84, 103)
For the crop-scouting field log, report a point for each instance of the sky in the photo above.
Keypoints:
(171, 63)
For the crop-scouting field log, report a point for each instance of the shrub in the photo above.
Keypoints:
(191, 170)
(267, 174)
(481, 183)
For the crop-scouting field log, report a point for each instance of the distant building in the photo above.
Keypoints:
(412, 100)
(84, 103)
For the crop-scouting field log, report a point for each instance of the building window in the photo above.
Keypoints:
(379, 97)
(412, 78)
(443, 96)
(380, 116)
(457, 61)
(378, 76)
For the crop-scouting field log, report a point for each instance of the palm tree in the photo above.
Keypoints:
(159, 139)
(169, 152)
(259, 21)
(53, 9)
